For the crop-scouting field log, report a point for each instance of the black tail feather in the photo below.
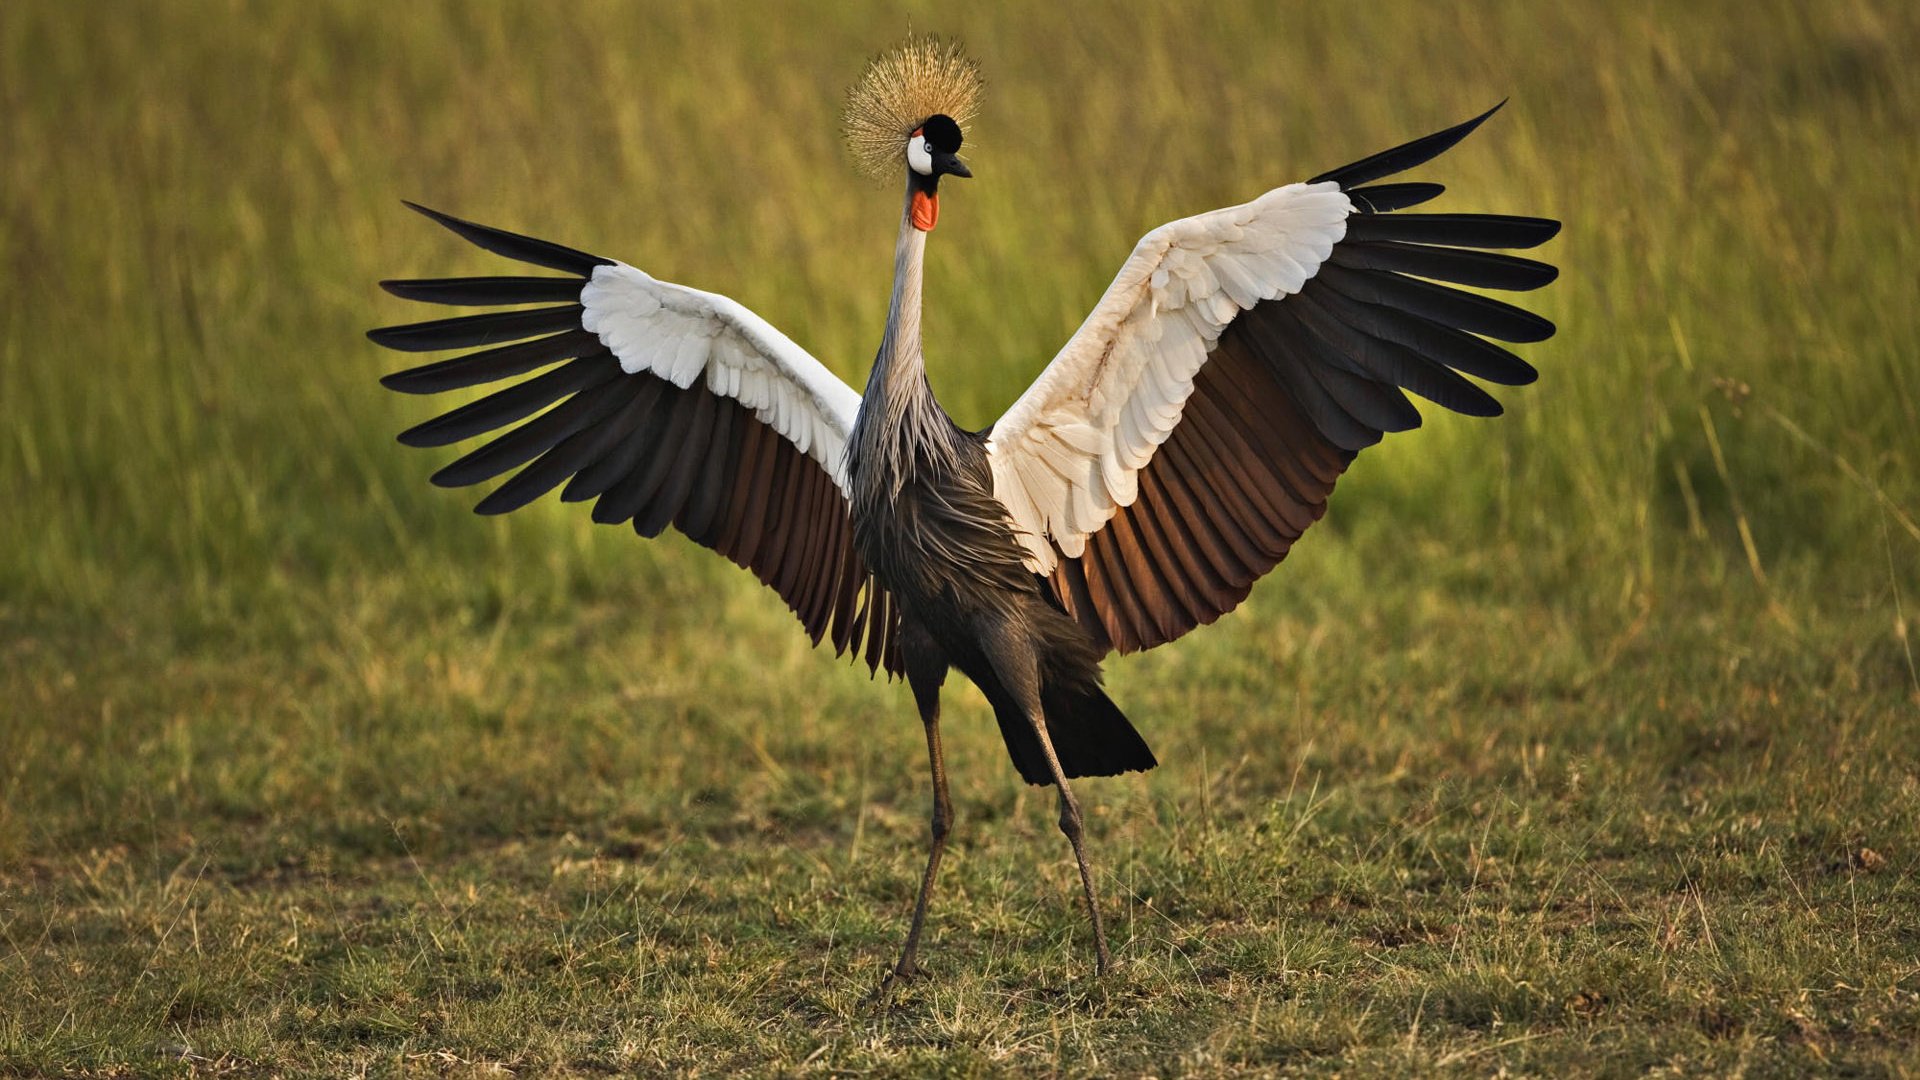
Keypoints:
(1090, 735)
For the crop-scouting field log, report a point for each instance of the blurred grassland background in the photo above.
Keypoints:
(1584, 738)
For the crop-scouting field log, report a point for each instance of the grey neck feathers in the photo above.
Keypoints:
(901, 428)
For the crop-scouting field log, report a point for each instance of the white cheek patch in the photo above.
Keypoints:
(919, 158)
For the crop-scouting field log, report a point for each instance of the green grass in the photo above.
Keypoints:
(1578, 741)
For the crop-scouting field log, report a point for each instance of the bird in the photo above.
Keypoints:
(1166, 458)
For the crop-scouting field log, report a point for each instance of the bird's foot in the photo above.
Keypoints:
(903, 972)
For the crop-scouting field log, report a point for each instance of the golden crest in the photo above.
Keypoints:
(901, 88)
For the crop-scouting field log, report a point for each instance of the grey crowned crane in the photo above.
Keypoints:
(1167, 458)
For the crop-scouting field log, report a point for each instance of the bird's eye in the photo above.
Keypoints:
(919, 158)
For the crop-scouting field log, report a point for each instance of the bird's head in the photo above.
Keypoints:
(907, 110)
(932, 152)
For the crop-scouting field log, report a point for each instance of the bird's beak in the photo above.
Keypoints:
(950, 165)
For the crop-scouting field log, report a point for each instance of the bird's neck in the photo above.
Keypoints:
(901, 431)
(899, 371)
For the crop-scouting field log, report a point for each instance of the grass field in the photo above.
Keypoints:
(1581, 741)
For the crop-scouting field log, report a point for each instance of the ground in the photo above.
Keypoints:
(1577, 742)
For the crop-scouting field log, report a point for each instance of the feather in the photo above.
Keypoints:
(535, 437)
(1391, 362)
(514, 246)
(491, 365)
(487, 291)
(1463, 230)
(701, 514)
(1403, 157)
(1244, 500)
(1448, 307)
(683, 464)
(1209, 497)
(564, 460)
(634, 427)
(465, 331)
(1187, 534)
(1155, 621)
(503, 407)
(1437, 343)
(1383, 198)
(630, 497)
(1479, 269)
(1329, 419)
(788, 532)
(752, 445)
(769, 466)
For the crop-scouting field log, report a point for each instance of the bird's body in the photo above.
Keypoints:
(1167, 458)
(929, 528)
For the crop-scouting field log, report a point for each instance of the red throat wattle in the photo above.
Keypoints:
(925, 211)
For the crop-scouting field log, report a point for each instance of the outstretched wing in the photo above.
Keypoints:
(665, 406)
(1193, 427)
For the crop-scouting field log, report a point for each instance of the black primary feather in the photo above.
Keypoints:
(1403, 157)
(465, 331)
(488, 291)
(1464, 230)
(515, 246)
(1479, 269)
(492, 365)
(1382, 198)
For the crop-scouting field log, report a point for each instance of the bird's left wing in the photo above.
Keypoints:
(1194, 425)
(666, 406)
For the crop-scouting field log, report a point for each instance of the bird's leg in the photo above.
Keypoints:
(926, 671)
(1071, 825)
(929, 701)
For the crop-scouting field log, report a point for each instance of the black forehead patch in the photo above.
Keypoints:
(942, 133)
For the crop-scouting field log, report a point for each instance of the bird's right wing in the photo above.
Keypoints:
(668, 406)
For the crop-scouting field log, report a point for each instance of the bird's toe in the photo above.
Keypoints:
(899, 975)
